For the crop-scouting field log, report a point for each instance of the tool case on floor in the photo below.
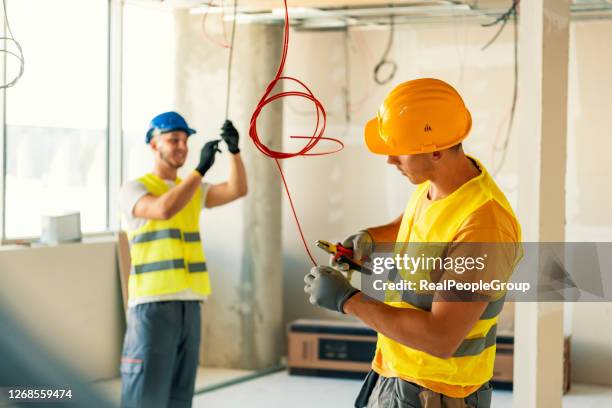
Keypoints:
(327, 348)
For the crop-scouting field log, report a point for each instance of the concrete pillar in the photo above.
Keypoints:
(257, 58)
(542, 126)
(242, 325)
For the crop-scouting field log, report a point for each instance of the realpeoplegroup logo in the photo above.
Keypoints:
(452, 285)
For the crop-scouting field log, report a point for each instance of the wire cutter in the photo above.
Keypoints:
(343, 255)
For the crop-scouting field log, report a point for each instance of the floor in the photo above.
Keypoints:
(206, 378)
(283, 390)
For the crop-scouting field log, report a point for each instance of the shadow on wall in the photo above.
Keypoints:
(296, 302)
(26, 364)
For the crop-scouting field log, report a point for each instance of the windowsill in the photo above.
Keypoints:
(33, 242)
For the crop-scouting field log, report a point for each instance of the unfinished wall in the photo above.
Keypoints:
(243, 316)
(200, 96)
(588, 214)
(336, 195)
(339, 194)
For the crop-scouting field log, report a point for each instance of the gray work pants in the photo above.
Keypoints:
(160, 355)
(383, 392)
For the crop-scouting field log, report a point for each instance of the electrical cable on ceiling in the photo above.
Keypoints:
(317, 135)
(383, 60)
(461, 52)
(504, 147)
(503, 19)
(361, 44)
(229, 62)
(223, 44)
(11, 39)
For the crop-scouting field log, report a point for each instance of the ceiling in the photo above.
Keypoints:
(338, 14)
(271, 4)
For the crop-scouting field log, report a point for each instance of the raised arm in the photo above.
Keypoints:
(168, 204)
(234, 188)
(165, 206)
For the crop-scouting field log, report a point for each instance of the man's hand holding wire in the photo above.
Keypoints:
(207, 156)
(231, 137)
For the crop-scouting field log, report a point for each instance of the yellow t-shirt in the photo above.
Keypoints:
(491, 223)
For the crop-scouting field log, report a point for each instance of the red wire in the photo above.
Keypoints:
(316, 136)
(205, 31)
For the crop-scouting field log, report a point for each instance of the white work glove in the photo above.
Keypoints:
(362, 245)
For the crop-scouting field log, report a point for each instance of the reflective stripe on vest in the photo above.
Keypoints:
(475, 346)
(172, 264)
(472, 362)
(167, 255)
(167, 233)
(424, 302)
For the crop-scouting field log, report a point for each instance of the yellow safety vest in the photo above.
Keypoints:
(472, 363)
(167, 255)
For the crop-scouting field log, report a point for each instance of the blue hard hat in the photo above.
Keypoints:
(168, 122)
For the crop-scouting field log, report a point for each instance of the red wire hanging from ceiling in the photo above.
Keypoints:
(225, 43)
(316, 137)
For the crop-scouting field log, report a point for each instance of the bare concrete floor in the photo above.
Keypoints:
(283, 390)
(206, 377)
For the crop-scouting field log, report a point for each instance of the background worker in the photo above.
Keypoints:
(431, 352)
(169, 277)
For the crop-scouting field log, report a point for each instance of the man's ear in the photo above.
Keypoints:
(153, 143)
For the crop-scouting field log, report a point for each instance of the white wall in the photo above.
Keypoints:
(588, 214)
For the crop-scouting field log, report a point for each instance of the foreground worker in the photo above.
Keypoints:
(169, 278)
(431, 351)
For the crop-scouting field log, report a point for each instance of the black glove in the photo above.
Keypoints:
(328, 288)
(207, 156)
(230, 136)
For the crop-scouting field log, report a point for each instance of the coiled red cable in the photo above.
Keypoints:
(317, 135)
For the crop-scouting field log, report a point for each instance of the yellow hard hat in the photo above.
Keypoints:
(419, 116)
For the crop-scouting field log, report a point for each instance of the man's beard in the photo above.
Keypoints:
(166, 158)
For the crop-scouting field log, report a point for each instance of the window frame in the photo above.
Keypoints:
(114, 132)
(3, 146)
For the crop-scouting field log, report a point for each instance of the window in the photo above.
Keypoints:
(148, 80)
(56, 115)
